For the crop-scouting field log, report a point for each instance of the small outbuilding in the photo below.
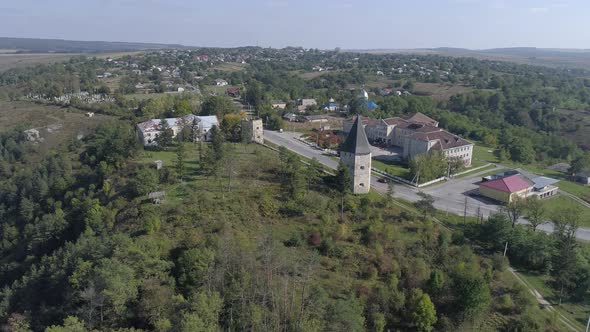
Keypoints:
(583, 177)
(290, 117)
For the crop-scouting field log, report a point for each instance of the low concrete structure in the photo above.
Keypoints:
(149, 130)
(315, 118)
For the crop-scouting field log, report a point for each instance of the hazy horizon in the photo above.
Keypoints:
(373, 24)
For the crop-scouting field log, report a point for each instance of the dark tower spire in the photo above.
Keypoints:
(356, 142)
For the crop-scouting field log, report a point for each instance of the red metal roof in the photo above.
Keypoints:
(510, 184)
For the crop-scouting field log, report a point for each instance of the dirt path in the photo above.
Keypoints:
(544, 303)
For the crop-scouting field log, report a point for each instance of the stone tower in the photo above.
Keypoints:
(252, 131)
(355, 152)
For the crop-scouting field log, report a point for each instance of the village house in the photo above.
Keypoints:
(233, 92)
(221, 82)
(583, 177)
(303, 104)
(279, 104)
(332, 106)
(290, 117)
(149, 130)
(415, 134)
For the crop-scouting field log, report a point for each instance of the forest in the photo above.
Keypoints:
(83, 248)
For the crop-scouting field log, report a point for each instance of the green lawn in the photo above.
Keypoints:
(392, 168)
(490, 167)
(481, 153)
(554, 204)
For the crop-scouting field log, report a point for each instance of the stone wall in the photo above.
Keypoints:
(360, 170)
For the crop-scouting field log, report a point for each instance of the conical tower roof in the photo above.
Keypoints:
(356, 142)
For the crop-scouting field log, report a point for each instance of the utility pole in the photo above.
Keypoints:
(448, 170)
(479, 214)
(588, 325)
(505, 248)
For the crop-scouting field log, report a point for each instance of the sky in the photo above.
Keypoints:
(324, 24)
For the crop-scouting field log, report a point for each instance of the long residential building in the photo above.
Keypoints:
(415, 134)
(149, 130)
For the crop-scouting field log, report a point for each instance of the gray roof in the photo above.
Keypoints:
(541, 182)
(356, 142)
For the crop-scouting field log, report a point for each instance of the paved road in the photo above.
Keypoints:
(449, 196)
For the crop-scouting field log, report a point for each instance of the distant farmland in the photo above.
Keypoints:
(18, 60)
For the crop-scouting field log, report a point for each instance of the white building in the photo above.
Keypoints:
(416, 134)
(149, 130)
(220, 82)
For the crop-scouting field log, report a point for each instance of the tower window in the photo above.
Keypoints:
(361, 184)
(362, 167)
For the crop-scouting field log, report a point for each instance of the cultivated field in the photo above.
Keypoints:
(230, 67)
(15, 60)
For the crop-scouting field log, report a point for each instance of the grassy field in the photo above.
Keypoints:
(13, 60)
(54, 123)
(214, 89)
(230, 67)
(309, 75)
(491, 168)
(484, 153)
(438, 91)
(145, 96)
(555, 204)
(391, 168)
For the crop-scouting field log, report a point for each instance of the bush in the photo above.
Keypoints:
(499, 262)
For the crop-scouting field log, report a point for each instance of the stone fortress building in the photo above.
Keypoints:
(252, 131)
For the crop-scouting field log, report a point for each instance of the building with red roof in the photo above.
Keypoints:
(505, 189)
(416, 134)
